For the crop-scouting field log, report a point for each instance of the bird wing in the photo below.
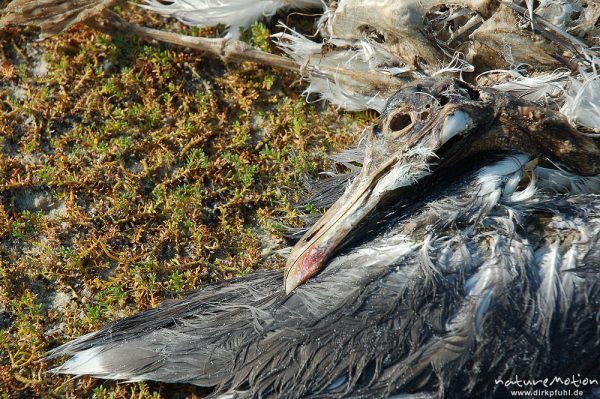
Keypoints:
(518, 292)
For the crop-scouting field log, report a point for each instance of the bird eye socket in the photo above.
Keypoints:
(400, 122)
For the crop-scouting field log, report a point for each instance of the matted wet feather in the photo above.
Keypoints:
(461, 244)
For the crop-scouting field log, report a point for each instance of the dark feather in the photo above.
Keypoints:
(376, 322)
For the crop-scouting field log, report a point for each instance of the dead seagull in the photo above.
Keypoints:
(450, 263)
(464, 254)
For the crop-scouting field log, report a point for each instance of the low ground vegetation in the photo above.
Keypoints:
(133, 172)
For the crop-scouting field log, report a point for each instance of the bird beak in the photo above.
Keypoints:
(312, 251)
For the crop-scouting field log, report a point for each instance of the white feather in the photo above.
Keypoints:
(428, 264)
(562, 181)
(410, 167)
(501, 179)
(569, 280)
(85, 362)
(342, 96)
(354, 55)
(524, 195)
(582, 105)
(234, 14)
(540, 89)
(548, 292)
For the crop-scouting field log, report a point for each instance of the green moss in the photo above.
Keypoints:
(174, 170)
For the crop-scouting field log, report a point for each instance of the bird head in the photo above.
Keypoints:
(430, 126)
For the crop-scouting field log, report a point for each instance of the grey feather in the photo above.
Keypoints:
(367, 325)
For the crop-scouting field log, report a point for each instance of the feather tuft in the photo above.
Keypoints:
(234, 14)
(582, 105)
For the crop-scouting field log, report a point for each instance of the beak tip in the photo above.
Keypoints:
(291, 283)
(305, 266)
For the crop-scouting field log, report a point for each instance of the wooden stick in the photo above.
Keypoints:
(238, 51)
